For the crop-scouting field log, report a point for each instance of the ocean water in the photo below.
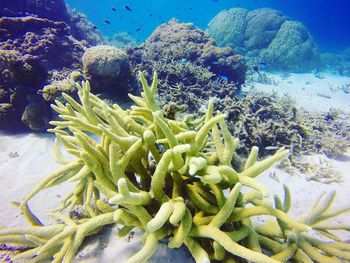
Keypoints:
(286, 96)
(327, 20)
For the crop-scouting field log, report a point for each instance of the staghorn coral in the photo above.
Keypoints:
(177, 193)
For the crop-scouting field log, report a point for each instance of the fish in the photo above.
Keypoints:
(215, 0)
(256, 68)
(160, 147)
(224, 77)
(270, 148)
(127, 8)
(138, 29)
(95, 27)
(114, 9)
(215, 63)
(262, 65)
(107, 21)
(150, 15)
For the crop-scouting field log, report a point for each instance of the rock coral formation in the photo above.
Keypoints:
(175, 193)
(187, 59)
(31, 50)
(269, 37)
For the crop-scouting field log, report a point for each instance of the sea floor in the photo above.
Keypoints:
(25, 159)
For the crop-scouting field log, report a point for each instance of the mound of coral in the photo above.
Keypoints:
(188, 60)
(266, 35)
(176, 194)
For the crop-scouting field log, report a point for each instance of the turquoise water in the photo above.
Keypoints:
(327, 20)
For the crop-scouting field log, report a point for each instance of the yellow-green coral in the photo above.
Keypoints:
(168, 178)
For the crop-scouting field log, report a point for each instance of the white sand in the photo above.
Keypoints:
(25, 159)
(305, 87)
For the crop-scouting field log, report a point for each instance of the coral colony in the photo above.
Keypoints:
(174, 180)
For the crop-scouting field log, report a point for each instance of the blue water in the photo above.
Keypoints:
(328, 21)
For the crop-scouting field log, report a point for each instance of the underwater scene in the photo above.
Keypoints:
(174, 131)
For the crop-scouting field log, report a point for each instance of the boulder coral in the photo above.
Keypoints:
(107, 66)
(269, 37)
(292, 45)
(222, 30)
(187, 193)
(262, 27)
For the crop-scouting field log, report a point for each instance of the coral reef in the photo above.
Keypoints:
(32, 49)
(269, 37)
(54, 10)
(175, 193)
(107, 66)
(188, 62)
(292, 49)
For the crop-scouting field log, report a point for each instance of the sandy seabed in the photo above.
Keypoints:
(25, 159)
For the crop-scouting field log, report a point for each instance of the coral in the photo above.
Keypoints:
(105, 61)
(54, 90)
(327, 133)
(31, 50)
(187, 49)
(54, 10)
(176, 192)
(107, 66)
(36, 116)
(292, 48)
(262, 27)
(270, 37)
(83, 30)
(220, 28)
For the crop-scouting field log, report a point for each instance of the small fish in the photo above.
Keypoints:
(150, 15)
(270, 148)
(107, 21)
(95, 27)
(262, 65)
(114, 9)
(256, 68)
(138, 29)
(215, 63)
(224, 77)
(160, 147)
(127, 8)
(190, 8)
(215, 0)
